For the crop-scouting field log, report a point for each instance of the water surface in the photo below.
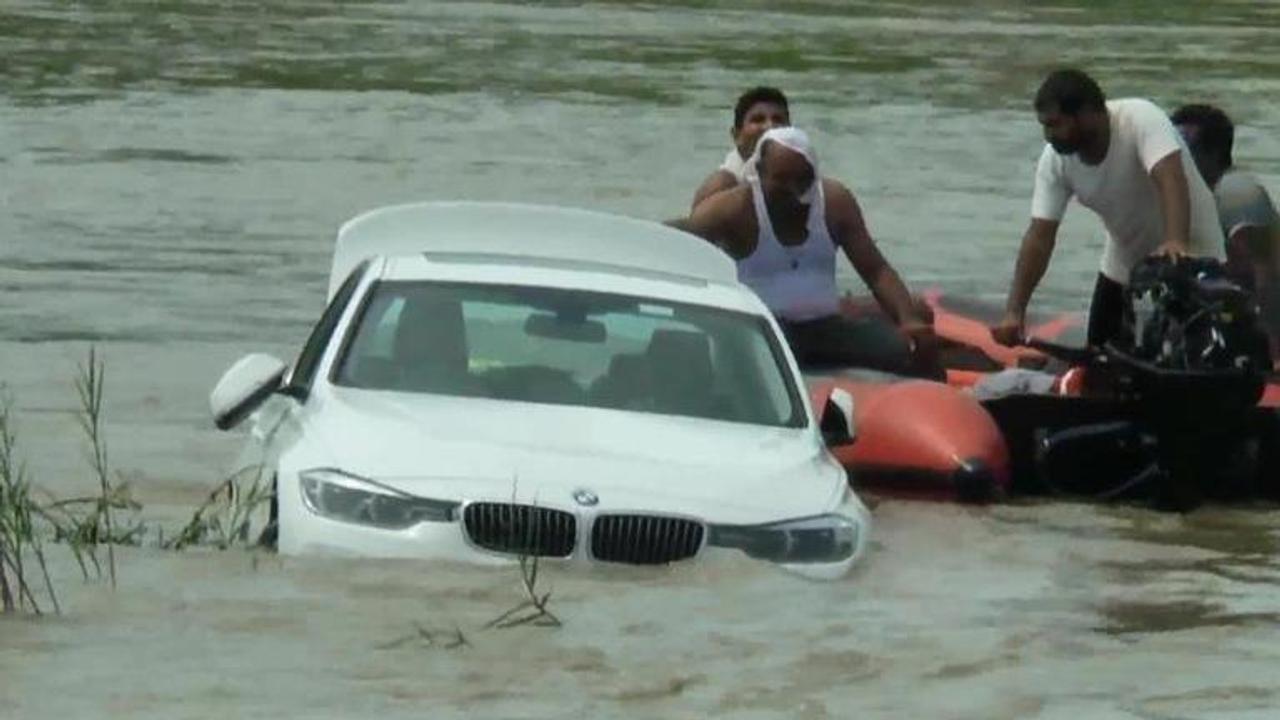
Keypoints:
(171, 177)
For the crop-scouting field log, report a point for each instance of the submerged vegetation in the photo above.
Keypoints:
(19, 542)
(90, 527)
(82, 525)
(533, 609)
(225, 517)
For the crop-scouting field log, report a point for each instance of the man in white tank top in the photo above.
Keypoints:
(783, 227)
(756, 111)
(1124, 160)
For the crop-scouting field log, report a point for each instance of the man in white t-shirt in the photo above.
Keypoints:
(756, 111)
(1124, 160)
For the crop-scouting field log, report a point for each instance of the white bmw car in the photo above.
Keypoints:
(491, 381)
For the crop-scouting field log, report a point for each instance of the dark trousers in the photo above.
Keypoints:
(836, 341)
(1110, 313)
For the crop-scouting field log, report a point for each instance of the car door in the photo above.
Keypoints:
(277, 425)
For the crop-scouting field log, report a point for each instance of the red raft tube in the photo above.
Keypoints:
(917, 439)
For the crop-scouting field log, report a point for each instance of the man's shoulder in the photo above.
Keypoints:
(1051, 165)
(1138, 116)
(715, 183)
(1129, 103)
(831, 186)
(1133, 106)
(1239, 184)
(838, 200)
(1241, 197)
(727, 203)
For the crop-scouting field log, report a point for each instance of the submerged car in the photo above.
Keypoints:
(493, 381)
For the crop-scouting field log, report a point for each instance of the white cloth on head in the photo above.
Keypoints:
(1120, 189)
(794, 139)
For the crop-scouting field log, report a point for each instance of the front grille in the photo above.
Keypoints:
(645, 539)
(520, 529)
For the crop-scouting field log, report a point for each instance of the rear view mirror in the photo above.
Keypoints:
(243, 387)
(559, 327)
(837, 424)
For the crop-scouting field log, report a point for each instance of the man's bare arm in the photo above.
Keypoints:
(1033, 259)
(711, 220)
(851, 235)
(1250, 255)
(1175, 203)
(715, 182)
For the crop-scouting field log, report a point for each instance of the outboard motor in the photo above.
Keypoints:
(1189, 315)
(1196, 344)
(1190, 369)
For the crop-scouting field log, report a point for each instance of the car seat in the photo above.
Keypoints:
(681, 372)
(625, 385)
(431, 346)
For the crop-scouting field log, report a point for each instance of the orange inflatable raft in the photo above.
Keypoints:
(917, 438)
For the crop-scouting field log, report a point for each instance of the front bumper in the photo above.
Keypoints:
(597, 536)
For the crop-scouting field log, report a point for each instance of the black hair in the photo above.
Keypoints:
(761, 94)
(1069, 91)
(1216, 133)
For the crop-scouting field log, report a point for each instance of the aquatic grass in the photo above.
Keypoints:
(80, 523)
(533, 609)
(89, 386)
(447, 640)
(226, 515)
(18, 536)
(86, 523)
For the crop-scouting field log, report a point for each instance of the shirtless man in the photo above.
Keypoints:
(783, 226)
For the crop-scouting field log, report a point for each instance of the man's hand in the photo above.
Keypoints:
(919, 333)
(1171, 249)
(1011, 331)
(924, 348)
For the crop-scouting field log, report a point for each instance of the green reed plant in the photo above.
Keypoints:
(19, 540)
(225, 517)
(89, 386)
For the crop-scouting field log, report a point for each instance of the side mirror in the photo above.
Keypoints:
(837, 426)
(243, 387)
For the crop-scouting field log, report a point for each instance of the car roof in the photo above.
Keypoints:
(506, 233)
(465, 268)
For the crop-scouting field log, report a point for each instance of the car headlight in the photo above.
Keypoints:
(341, 496)
(819, 539)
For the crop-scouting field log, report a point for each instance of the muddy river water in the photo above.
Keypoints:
(171, 176)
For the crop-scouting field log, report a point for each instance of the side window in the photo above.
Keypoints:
(304, 370)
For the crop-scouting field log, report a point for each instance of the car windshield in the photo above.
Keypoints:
(570, 347)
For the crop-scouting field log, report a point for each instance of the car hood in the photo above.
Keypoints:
(479, 449)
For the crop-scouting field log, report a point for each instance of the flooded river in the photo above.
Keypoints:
(171, 177)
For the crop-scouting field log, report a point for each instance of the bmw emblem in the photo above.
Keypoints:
(585, 497)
